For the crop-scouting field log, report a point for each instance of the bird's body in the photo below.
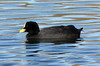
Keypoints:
(56, 32)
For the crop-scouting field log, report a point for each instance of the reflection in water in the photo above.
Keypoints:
(32, 46)
(50, 54)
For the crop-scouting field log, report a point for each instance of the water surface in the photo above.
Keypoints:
(14, 51)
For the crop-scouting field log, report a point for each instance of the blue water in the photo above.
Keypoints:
(14, 51)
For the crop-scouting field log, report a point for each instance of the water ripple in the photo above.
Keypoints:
(15, 51)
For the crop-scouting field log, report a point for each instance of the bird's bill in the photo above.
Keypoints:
(22, 30)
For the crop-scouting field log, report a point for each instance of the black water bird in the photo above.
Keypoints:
(51, 34)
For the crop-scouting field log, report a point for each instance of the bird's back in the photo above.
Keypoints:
(59, 32)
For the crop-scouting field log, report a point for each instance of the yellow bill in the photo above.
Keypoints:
(22, 30)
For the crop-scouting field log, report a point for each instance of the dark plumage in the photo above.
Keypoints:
(55, 32)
